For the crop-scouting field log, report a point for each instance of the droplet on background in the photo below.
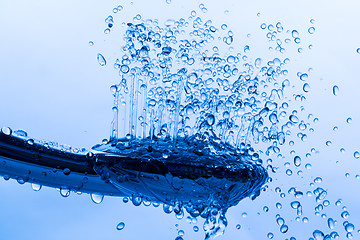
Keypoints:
(101, 59)
(306, 87)
(120, 226)
(311, 30)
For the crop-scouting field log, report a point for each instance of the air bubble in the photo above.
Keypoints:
(336, 90)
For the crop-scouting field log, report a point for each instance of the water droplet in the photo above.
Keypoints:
(66, 171)
(345, 214)
(120, 226)
(336, 90)
(304, 77)
(36, 187)
(21, 180)
(6, 130)
(294, 34)
(284, 228)
(278, 205)
(311, 30)
(294, 119)
(64, 191)
(349, 227)
(210, 119)
(101, 59)
(295, 204)
(331, 223)
(97, 198)
(306, 87)
(136, 200)
(318, 235)
(318, 180)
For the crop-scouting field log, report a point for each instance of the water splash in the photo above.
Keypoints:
(185, 80)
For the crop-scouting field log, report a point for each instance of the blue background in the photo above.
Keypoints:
(52, 86)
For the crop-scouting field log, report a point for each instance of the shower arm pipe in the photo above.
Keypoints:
(27, 161)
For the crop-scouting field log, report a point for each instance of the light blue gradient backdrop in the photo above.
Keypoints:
(52, 87)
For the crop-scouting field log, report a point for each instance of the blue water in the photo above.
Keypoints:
(194, 85)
